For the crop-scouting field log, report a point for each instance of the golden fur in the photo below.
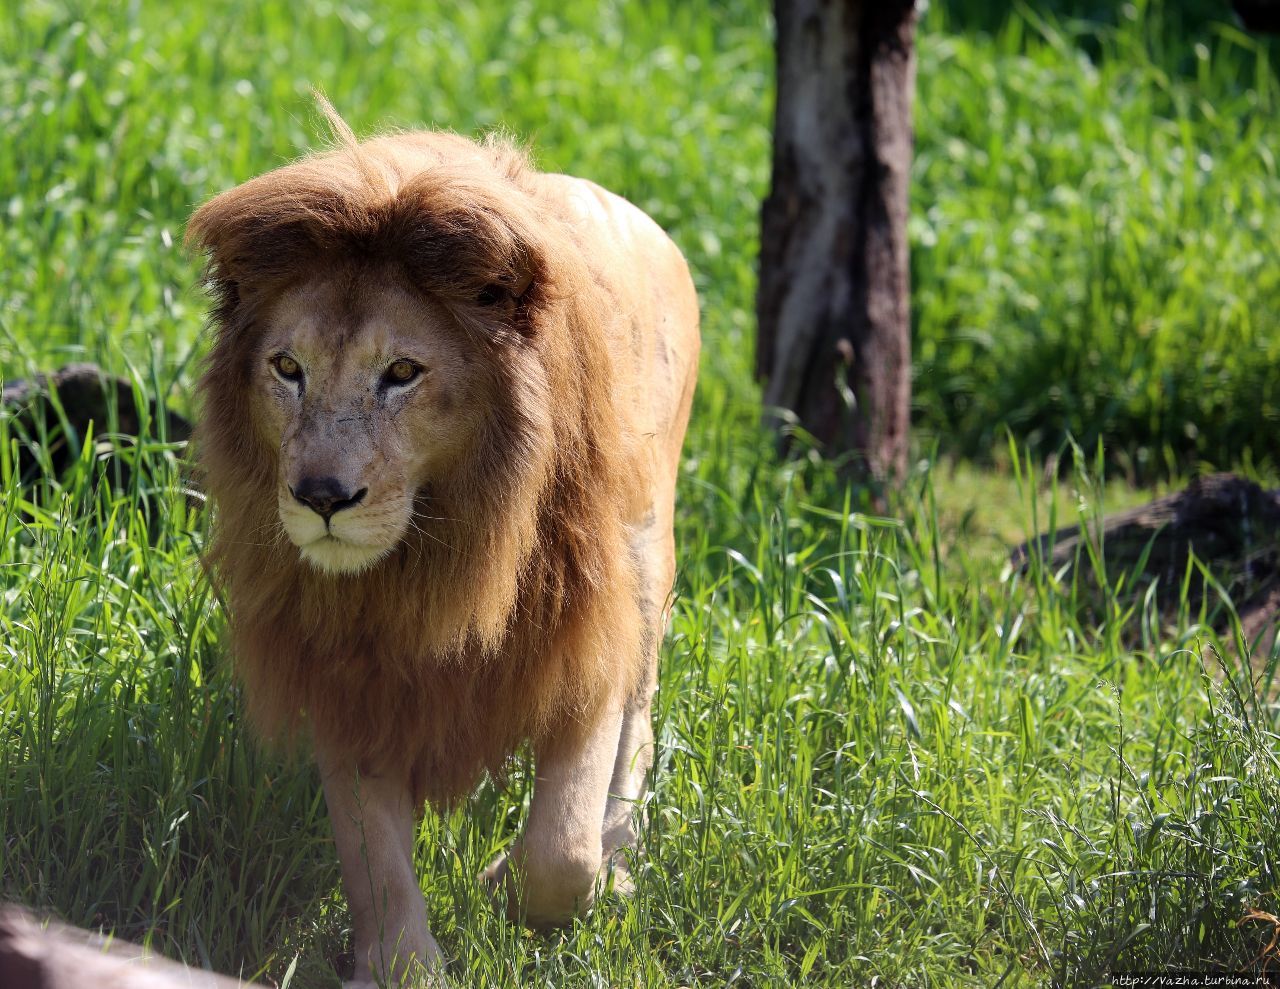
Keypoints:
(499, 615)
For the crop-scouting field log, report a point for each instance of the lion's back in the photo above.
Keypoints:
(654, 338)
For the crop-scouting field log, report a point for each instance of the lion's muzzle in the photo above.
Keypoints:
(326, 495)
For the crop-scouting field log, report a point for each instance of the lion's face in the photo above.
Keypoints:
(367, 393)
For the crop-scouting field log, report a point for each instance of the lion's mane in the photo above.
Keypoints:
(499, 617)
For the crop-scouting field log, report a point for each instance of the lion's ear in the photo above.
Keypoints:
(521, 282)
(493, 294)
(506, 288)
(510, 295)
(247, 251)
(264, 230)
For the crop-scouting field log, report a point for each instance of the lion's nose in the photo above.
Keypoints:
(326, 495)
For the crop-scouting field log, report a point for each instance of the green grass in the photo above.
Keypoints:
(884, 757)
(1097, 245)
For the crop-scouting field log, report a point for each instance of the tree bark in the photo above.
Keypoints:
(834, 343)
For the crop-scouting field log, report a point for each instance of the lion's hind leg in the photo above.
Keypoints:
(624, 808)
(654, 547)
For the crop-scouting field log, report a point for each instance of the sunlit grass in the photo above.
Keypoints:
(884, 754)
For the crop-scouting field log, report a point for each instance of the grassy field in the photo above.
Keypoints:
(1096, 244)
(885, 757)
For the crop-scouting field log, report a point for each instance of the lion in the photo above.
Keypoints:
(440, 425)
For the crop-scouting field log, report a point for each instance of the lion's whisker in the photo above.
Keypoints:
(413, 524)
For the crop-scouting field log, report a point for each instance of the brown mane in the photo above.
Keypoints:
(494, 620)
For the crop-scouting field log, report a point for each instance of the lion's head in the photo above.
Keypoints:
(379, 302)
(382, 330)
(401, 402)
(365, 426)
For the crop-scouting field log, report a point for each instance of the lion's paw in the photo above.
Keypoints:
(504, 889)
(420, 980)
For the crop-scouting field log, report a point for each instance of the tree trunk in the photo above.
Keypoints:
(834, 342)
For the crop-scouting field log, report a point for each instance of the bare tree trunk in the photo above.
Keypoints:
(834, 342)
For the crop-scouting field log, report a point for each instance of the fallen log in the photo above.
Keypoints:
(1230, 525)
(50, 415)
(54, 956)
(1259, 15)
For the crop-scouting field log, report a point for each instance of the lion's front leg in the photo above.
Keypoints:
(373, 826)
(549, 875)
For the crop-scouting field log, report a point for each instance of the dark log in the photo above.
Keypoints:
(33, 956)
(1259, 15)
(87, 395)
(834, 336)
(1230, 524)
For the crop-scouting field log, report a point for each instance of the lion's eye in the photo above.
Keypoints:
(287, 367)
(401, 372)
(491, 295)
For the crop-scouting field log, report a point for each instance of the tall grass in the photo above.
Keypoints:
(873, 761)
(885, 756)
(1095, 230)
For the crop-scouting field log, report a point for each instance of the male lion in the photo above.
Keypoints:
(441, 423)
